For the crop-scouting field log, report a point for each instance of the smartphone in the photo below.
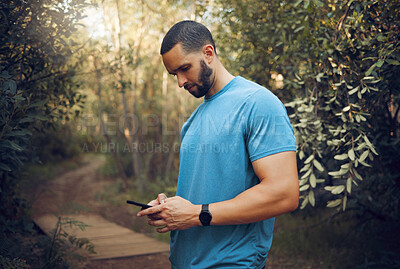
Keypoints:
(143, 206)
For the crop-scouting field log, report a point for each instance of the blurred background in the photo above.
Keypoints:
(82, 82)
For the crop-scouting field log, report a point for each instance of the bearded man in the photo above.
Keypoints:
(237, 162)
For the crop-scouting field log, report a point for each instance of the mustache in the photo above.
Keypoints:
(187, 86)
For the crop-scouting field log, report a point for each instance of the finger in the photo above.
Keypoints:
(161, 198)
(157, 223)
(163, 230)
(154, 216)
(150, 211)
(154, 202)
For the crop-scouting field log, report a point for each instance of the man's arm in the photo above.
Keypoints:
(276, 194)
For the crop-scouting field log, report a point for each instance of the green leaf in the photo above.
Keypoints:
(309, 159)
(37, 104)
(299, 29)
(334, 203)
(318, 165)
(313, 180)
(27, 119)
(306, 174)
(365, 164)
(361, 146)
(364, 155)
(369, 71)
(392, 62)
(368, 78)
(380, 62)
(369, 144)
(348, 184)
(11, 145)
(357, 174)
(341, 157)
(339, 173)
(303, 181)
(335, 173)
(353, 91)
(297, 3)
(335, 189)
(18, 133)
(304, 203)
(351, 154)
(301, 154)
(305, 187)
(311, 198)
(318, 3)
(305, 168)
(5, 167)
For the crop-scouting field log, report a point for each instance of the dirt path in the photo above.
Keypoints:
(76, 191)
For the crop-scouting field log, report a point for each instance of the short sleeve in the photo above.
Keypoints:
(268, 129)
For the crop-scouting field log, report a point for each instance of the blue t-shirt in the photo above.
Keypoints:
(234, 127)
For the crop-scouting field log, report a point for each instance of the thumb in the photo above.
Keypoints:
(161, 198)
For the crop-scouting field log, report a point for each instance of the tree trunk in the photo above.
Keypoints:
(128, 130)
(118, 163)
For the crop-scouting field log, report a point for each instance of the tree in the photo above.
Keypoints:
(136, 92)
(37, 85)
(340, 62)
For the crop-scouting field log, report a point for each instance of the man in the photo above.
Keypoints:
(237, 162)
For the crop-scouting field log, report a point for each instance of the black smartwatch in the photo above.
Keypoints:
(205, 215)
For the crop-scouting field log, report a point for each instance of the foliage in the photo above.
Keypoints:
(313, 236)
(341, 59)
(131, 72)
(36, 85)
(61, 242)
(37, 90)
(15, 263)
(34, 250)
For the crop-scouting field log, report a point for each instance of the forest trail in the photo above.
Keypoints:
(74, 195)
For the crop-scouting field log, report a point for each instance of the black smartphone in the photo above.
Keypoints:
(143, 206)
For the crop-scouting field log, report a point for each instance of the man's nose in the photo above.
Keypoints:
(181, 80)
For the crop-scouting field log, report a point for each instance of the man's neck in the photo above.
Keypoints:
(221, 79)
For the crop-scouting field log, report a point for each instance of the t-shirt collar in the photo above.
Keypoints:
(220, 92)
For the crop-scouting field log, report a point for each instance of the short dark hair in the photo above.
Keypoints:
(191, 34)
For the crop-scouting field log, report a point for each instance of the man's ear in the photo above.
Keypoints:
(209, 53)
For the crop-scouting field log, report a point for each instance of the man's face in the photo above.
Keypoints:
(191, 70)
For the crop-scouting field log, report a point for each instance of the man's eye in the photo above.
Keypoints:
(185, 69)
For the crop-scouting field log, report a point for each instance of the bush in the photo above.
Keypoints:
(341, 67)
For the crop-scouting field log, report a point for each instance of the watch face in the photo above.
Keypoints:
(205, 218)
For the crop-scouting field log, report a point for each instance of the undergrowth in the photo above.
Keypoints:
(332, 241)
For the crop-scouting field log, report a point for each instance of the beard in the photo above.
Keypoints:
(205, 82)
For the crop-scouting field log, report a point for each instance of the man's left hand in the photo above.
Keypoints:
(175, 214)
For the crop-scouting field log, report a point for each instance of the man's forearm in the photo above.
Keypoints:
(255, 204)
